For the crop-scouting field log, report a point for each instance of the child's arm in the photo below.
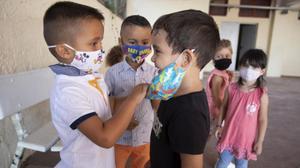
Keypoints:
(262, 123)
(115, 104)
(191, 161)
(222, 115)
(216, 85)
(106, 133)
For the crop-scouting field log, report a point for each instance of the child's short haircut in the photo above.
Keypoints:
(224, 43)
(135, 20)
(61, 21)
(190, 29)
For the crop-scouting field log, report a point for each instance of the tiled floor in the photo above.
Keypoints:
(282, 142)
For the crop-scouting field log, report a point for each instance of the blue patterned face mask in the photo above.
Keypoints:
(166, 83)
(137, 53)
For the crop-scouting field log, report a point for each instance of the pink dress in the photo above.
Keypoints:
(240, 130)
(214, 111)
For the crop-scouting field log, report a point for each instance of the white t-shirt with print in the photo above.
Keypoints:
(72, 98)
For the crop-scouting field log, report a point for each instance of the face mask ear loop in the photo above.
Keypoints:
(53, 46)
(69, 47)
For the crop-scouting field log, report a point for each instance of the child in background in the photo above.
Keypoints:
(79, 103)
(244, 111)
(121, 78)
(184, 42)
(114, 56)
(219, 79)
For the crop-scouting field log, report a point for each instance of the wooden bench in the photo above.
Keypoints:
(19, 92)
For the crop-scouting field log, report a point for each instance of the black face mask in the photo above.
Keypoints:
(222, 64)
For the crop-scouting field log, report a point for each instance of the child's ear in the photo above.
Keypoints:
(64, 52)
(187, 58)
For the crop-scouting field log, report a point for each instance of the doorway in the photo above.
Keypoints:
(247, 40)
(242, 37)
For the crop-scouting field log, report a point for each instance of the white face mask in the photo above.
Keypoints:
(88, 61)
(250, 73)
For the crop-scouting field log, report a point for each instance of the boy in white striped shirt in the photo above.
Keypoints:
(121, 78)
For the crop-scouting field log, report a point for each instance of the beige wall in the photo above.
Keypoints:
(263, 26)
(282, 48)
(280, 40)
(22, 45)
(153, 9)
(22, 48)
(285, 46)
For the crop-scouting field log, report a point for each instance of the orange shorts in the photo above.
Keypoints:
(139, 155)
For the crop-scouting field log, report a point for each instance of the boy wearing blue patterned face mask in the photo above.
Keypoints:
(184, 42)
(121, 78)
(79, 102)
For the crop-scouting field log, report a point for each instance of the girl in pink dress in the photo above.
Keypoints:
(219, 79)
(244, 112)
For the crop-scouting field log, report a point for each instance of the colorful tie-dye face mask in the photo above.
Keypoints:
(166, 83)
(136, 52)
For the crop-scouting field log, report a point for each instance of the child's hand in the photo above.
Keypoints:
(139, 92)
(218, 132)
(133, 123)
(257, 148)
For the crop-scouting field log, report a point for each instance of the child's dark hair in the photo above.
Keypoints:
(114, 56)
(256, 58)
(135, 20)
(61, 20)
(190, 29)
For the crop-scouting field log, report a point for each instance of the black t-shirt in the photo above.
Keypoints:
(185, 129)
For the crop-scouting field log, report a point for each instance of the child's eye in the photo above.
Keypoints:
(146, 43)
(95, 43)
(131, 42)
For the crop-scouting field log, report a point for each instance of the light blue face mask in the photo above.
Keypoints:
(166, 83)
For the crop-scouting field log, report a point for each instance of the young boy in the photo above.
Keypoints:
(121, 78)
(184, 42)
(79, 104)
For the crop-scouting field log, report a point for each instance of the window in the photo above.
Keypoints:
(264, 13)
(219, 11)
(117, 7)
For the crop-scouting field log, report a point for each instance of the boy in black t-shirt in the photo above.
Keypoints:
(188, 39)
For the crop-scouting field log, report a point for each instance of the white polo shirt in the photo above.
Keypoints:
(73, 100)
